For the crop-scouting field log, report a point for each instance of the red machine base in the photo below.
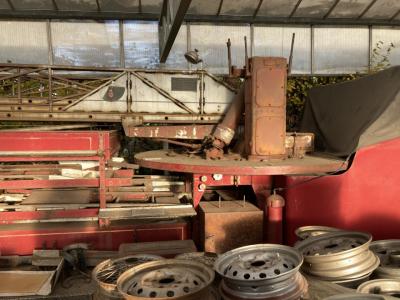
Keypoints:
(365, 198)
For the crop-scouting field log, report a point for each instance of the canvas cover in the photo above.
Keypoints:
(354, 114)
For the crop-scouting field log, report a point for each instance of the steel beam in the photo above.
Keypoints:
(102, 15)
(172, 15)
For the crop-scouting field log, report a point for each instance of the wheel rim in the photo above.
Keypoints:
(338, 256)
(107, 272)
(261, 272)
(388, 252)
(166, 279)
(387, 287)
(306, 232)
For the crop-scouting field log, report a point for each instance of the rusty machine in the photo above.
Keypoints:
(221, 134)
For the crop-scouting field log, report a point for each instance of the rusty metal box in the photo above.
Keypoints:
(232, 225)
(265, 109)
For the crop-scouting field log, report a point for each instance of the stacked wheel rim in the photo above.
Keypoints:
(167, 279)
(207, 258)
(264, 271)
(340, 257)
(387, 287)
(355, 297)
(107, 272)
(306, 232)
(388, 252)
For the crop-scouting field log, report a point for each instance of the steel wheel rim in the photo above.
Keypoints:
(306, 232)
(389, 265)
(387, 287)
(338, 255)
(110, 286)
(166, 279)
(294, 291)
(207, 258)
(258, 258)
(263, 271)
(356, 297)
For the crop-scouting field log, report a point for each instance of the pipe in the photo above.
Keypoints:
(225, 131)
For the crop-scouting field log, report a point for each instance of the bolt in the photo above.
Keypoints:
(202, 187)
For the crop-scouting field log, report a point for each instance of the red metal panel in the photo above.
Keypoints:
(366, 197)
(59, 141)
(10, 217)
(63, 183)
(23, 242)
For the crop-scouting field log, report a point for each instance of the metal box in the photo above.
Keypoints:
(232, 225)
(265, 109)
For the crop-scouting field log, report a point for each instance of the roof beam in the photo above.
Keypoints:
(295, 8)
(98, 5)
(395, 15)
(331, 9)
(220, 7)
(55, 6)
(258, 8)
(286, 20)
(172, 15)
(367, 8)
(61, 14)
(11, 4)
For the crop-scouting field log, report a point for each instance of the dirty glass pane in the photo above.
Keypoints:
(276, 41)
(203, 7)
(349, 8)
(176, 59)
(4, 5)
(313, 8)
(119, 5)
(91, 44)
(32, 4)
(383, 9)
(141, 44)
(387, 35)
(23, 42)
(211, 40)
(239, 7)
(77, 5)
(339, 50)
(152, 6)
(277, 8)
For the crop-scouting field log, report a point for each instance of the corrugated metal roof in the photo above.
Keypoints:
(373, 12)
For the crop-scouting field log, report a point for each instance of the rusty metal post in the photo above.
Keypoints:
(50, 89)
(19, 87)
(228, 46)
(274, 218)
(225, 131)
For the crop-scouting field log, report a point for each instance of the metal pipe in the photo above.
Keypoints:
(225, 131)
(228, 45)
